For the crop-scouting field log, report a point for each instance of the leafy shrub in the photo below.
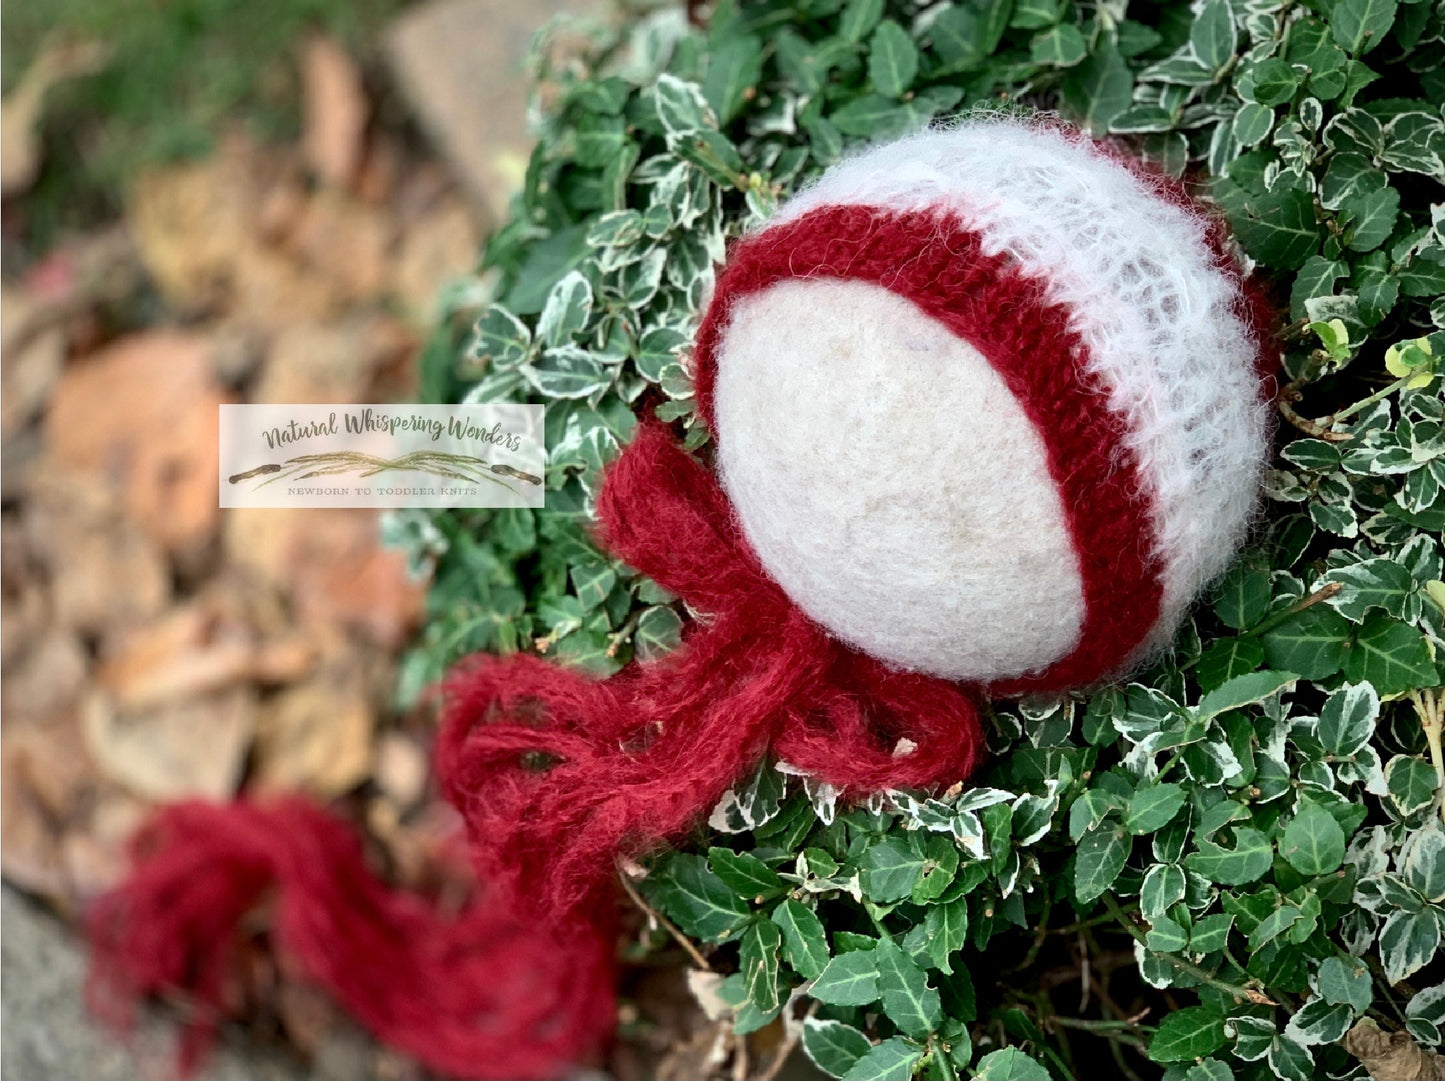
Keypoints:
(1239, 853)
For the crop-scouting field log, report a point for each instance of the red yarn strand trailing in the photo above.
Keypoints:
(557, 776)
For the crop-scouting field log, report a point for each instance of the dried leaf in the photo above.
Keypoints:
(336, 111)
(316, 737)
(1393, 1056)
(143, 414)
(192, 748)
(20, 111)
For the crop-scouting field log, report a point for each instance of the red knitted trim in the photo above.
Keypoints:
(939, 264)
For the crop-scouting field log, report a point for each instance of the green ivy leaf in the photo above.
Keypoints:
(1010, 1064)
(859, 17)
(945, 930)
(1187, 1034)
(1244, 691)
(735, 68)
(745, 874)
(681, 106)
(849, 979)
(1166, 936)
(891, 1060)
(892, 59)
(1151, 807)
(1212, 34)
(1244, 863)
(1100, 858)
(699, 901)
(907, 999)
(1391, 655)
(833, 1046)
(1242, 599)
(805, 945)
(1316, 278)
(1099, 89)
(1252, 123)
(1408, 942)
(1346, 981)
(1313, 842)
(1226, 658)
(965, 33)
(1036, 14)
(568, 307)
(1209, 934)
(1360, 25)
(1279, 229)
(1425, 863)
(1411, 782)
(1347, 719)
(941, 863)
(758, 962)
(1275, 82)
(500, 339)
(1164, 885)
(1318, 1021)
(659, 632)
(1313, 643)
(890, 869)
(1291, 1060)
(1063, 46)
(1370, 218)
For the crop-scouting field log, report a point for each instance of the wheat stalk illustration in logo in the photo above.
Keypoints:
(436, 463)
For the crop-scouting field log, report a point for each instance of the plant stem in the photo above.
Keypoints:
(1243, 994)
(1324, 593)
(1383, 392)
(1430, 708)
(698, 959)
(1098, 1026)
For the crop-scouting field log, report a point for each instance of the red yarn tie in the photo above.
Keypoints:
(557, 776)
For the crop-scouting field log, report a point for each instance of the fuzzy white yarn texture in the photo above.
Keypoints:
(885, 475)
(878, 461)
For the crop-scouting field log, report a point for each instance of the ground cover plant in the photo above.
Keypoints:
(1231, 865)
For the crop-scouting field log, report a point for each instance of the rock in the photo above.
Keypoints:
(49, 1036)
(335, 111)
(142, 415)
(460, 65)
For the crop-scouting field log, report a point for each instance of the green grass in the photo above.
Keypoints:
(181, 71)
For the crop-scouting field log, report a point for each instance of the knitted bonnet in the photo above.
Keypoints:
(988, 409)
(988, 404)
